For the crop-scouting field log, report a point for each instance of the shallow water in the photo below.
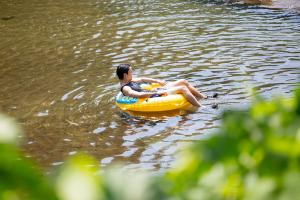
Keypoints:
(58, 61)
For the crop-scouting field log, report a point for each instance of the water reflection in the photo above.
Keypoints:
(58, 62)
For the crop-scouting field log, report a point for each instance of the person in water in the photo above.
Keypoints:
(130, 86)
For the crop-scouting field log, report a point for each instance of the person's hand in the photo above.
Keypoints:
(162, 93)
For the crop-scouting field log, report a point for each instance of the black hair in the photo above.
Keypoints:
(122, 68)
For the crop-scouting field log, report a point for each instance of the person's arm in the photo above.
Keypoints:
(132, 93)
(149, 80)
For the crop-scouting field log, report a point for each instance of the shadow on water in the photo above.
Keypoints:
(133, 116)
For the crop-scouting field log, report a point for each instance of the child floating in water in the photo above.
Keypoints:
(130, 86)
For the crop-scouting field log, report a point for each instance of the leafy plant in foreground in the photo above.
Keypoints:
(254, 155)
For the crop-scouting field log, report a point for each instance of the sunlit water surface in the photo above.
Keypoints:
(58, 61)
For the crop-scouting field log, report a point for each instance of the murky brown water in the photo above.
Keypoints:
(58, 60)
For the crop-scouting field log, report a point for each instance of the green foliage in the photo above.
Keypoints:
(19, 178)
(254, 155)
(77, 179)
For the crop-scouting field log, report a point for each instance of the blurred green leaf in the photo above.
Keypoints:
(9, 130)
(20, 178)
(130, 185)
(77, 179)
(291, 186)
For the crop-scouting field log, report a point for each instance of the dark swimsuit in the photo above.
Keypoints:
(133, 85)
(136, 87)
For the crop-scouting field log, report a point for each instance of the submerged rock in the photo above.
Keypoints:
(7, 18)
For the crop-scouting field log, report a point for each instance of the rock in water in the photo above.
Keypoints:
(7, 18)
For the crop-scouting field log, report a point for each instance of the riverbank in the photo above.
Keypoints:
(277, 4)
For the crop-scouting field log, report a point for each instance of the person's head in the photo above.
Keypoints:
(124, 71)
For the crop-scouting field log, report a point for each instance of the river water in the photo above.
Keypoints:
(58, 61)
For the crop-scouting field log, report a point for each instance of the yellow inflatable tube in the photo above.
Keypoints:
(156, 104)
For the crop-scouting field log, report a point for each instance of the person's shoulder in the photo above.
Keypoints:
(125, 88)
